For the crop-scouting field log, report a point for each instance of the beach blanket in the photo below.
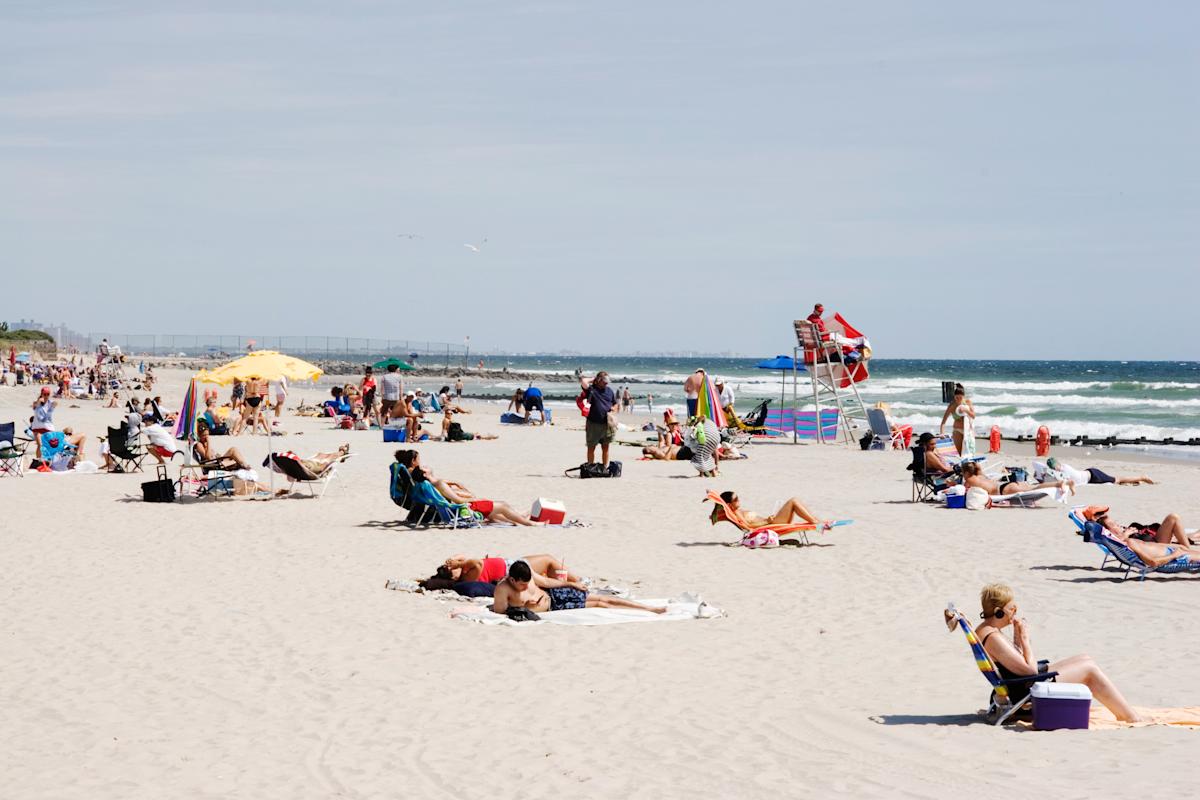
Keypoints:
(1101, 719)
(684, 607)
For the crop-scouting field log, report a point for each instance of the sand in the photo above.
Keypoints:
(249, 649)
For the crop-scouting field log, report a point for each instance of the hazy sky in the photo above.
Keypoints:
(959, 179)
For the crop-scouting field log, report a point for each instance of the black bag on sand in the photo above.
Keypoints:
(589, 470)
(160, 490)
(614, 469)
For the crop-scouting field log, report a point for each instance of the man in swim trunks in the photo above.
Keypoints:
(525, 589)
(533, 402)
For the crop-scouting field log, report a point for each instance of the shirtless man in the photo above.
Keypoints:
(525, 589)
(973, 478)
(691, 391)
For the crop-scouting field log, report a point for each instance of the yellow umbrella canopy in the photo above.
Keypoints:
(266, 364)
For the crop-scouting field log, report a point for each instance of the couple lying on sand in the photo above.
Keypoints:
(535, 583)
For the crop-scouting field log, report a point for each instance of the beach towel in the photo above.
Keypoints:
(683, 607)
(1101, 719)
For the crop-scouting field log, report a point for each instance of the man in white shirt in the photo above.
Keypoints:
(726, 394)
(391, 389)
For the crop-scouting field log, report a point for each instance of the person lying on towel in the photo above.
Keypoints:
(493, 569)
(524, 589)
(973, 477)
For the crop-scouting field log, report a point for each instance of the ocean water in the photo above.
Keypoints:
(1154, 399)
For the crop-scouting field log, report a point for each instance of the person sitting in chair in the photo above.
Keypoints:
(935, 465)
(207, 454)
(454, 492)
(1015, 659)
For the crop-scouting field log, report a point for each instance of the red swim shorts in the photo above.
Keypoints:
(482, 506)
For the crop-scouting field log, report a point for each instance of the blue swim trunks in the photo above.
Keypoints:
(564, 597)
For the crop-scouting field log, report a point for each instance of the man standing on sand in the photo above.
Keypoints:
(458, 387)
(522, 588)
(391, 387)
(601, 399)
(691, 391)
(725, 394)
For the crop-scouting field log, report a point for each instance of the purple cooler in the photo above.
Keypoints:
(1060, 705)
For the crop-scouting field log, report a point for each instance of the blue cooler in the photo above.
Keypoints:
(1061, 705)
(394, 434)
(956, 501)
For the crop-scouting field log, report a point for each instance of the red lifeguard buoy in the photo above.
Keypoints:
(1042, 442)
(994, 440)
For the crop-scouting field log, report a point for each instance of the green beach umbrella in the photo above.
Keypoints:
(387, 362)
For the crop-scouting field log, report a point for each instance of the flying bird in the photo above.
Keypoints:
(410, 236)
(474, 248)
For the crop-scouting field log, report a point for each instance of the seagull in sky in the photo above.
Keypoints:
(410, 236)
(473, 248)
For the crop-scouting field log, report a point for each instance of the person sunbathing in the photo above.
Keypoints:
(523, 588)
(1015, 659)
(1169, 530)
(791, 510)
(492, 510)
(1094, 475)
(973, 477)
(668, 452)
(491, 569)
(206, 452)
(453, 431)
(320, 462)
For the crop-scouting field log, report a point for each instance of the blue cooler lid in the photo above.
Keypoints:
(1047, 690)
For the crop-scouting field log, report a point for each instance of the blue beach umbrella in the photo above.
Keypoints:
(784, 364)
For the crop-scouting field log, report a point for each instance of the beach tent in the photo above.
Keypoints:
(784, 364)
(267, 365)
(387, 362)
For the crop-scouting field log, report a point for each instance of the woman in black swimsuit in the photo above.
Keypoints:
(1015, 659)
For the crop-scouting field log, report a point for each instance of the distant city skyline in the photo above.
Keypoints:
(959, 180)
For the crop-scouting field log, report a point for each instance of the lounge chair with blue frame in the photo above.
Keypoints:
(1096, 534)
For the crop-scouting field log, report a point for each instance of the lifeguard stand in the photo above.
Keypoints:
(822, 356)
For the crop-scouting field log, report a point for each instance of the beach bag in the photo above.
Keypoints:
(160, 490)
(977, 499)
(614, 469)
(589, 470)
(756, 539)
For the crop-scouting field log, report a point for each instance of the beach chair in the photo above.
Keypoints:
(202, 478)
(402, 489)
(1095, 533)
(288, 464)
(881, 430)
(924, 485)
(12, 450)
(129, 457)
(1000, 705)
(455, 515)
(722, 513)
(56, 450)
(753, 423)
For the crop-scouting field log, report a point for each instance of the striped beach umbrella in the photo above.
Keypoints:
(709, 403)
(185, 426)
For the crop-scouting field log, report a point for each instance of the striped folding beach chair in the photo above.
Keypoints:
(1000, 706)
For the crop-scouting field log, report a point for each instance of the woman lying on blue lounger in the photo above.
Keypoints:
(1015, 659)
(973, 477)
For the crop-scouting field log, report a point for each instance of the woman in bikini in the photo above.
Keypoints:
(791, 510)
(963, 411)
(1169, 530)
(491, 569)
(1015, 659)
(492, 510)
(973, 478)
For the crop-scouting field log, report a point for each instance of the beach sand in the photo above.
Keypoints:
(249, 649)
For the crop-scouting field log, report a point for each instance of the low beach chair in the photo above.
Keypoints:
(288, 465)
(881, 430)
(1000, 705)
(455, 515)
(129, 457)
(722, 513)
(1095, 533)
(403, 492)
(12, 450)
(753, 423)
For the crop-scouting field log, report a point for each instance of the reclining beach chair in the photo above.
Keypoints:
(753, 423)
(12, 450)
(201, 478)
(722, 513)
(128, 456)
(402, 489)
(53, 445)
(1000, 705)
(1095, 533)
(288, 464)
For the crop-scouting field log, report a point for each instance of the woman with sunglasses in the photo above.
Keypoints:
(1015, 659)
